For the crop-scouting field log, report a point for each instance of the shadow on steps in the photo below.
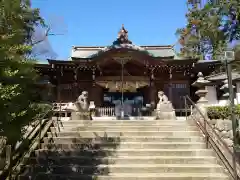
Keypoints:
(81, 161)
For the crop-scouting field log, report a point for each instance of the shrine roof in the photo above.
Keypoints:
(121, 42)
(222, 76)
(166, 60)
(91, 51)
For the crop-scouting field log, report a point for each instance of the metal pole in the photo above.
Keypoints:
(232, 114)
(122, 110)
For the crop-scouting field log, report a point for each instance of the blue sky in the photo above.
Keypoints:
(95, 22)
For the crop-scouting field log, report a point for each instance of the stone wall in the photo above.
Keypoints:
(223, 128)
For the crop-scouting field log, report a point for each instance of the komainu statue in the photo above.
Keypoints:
(164, 107)
(82, 101)
(163, 99)
(82, 107)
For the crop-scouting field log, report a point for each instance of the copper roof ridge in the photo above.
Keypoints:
(145, 46)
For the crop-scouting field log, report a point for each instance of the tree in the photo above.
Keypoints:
(210, 28)
(42, 48)
(18, 104)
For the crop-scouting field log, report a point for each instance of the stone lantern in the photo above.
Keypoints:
(201, 84)
(225, 97)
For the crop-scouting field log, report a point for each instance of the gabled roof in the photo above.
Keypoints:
(222, 76)
(122, 41)
(155, 51)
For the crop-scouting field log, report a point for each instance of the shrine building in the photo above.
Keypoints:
(124, 71)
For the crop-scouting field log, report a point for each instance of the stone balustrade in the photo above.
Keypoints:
(223, 128)
(105, 111)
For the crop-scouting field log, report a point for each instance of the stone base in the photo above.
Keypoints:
(80, 116)
(106, 118)
(166, 115)
(165, 111)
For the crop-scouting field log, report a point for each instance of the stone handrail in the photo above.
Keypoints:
(221, 147)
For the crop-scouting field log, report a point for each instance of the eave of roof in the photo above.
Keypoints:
(222, 76)
(143, 46)
(92, 51)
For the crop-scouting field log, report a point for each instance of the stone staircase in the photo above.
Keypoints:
(124, 150)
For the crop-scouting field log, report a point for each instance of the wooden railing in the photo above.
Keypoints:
(23, 149)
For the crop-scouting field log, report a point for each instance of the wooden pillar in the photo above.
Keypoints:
(170, 85)
(96, 91)
(76, 83)
(152, 89)
(59, 88)
(96, 95)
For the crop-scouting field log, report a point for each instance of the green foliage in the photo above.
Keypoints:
(44, 110)
(222, 112)
(203, 33)
(18, 105)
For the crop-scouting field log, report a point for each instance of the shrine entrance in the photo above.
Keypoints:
(126, 97)
(132, 102)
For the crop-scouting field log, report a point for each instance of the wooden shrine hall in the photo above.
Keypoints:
(124, 72)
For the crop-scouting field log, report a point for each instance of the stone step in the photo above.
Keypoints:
(128, 133)
(133, 176)
(70, 139)
(126, 152)
(127, 128)
(125, 145)
(124, 160)
(125, 122)
(127, 168)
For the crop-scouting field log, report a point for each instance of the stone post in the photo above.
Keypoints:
(212, 95)
(225, 97)
(201, 83)
(238, 92)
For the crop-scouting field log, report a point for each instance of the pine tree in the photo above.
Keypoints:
(17, 75)
(209, 28)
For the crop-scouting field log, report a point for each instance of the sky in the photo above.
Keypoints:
(97, 22)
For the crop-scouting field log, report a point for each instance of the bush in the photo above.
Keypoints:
(44, 110)
(222, 112)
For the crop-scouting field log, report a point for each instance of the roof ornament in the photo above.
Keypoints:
(122, 36)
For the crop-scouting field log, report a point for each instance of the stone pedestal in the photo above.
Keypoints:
(166, 112)
(164, 108)
(211, 95)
